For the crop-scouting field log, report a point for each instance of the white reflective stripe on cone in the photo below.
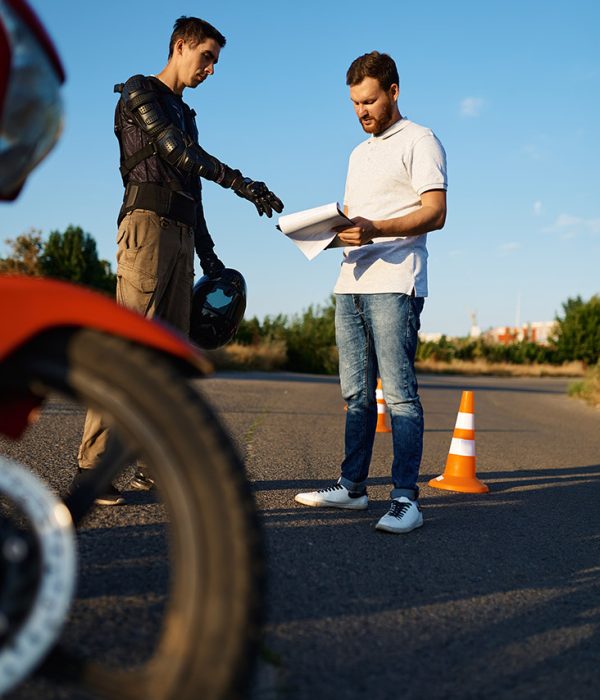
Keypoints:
(464, 448)
(381, 408)
(378, 394)
(465, 421)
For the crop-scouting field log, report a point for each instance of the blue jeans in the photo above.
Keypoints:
(377, 336)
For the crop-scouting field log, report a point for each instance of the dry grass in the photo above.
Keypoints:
(272, 356)
(265, 357)
(500, 369)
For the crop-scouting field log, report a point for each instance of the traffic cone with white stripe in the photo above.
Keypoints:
(383, 413)
(459, 474)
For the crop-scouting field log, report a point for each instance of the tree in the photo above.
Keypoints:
(73, 256)
(578, 334)
(25, 254)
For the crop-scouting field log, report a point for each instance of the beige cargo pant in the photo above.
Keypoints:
(155, 276)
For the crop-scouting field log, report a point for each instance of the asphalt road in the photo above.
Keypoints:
(496, 596)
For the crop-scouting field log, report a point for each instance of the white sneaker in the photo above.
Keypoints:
(336, 496)
(404, 515)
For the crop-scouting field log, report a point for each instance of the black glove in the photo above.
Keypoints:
(210, 263)
(257, 192)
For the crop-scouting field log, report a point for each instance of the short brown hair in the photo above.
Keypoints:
(373, 65)
(194, 31)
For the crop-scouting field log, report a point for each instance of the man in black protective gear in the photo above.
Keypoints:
(161, 221)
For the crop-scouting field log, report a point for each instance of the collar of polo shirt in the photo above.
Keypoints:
(391, 130)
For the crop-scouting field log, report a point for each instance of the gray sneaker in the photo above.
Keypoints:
(404, 515)
(336, 496)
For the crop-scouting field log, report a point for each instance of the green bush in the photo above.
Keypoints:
(471, 350)
(578, 334)
(309, 338)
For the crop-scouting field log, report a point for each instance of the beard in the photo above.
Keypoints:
(378, 124)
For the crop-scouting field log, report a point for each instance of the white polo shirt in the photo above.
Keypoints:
(387, 174)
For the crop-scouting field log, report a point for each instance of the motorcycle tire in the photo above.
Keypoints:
(212, 619)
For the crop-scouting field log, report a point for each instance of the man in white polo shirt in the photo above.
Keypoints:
(395, 194)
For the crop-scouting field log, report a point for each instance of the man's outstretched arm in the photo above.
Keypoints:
(177, 149)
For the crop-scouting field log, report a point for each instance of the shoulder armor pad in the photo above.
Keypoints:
(137, 91)
(135, 85)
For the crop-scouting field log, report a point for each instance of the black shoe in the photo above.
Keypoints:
(111, 497)
(141, 481)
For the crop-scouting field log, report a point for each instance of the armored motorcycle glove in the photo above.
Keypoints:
(210, 263)
(257, 192)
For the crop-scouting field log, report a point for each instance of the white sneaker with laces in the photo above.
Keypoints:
(336, 496)
(404, 515)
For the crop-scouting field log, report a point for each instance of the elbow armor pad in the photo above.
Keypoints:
(171, 143)
(188, 158)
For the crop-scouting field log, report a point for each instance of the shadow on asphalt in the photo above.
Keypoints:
(125, 561)
(498, 481)
(497, 596)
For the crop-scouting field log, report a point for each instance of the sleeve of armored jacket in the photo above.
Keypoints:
(203, 242)
(172, 144)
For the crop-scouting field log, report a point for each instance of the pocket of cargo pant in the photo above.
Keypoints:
(135, 289)
(137, 258)
(136, 278)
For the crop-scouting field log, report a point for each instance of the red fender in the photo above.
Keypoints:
(30, 305)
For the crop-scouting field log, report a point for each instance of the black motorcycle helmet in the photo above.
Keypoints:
(218, 305)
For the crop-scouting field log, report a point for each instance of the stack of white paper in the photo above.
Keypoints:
(312, 229)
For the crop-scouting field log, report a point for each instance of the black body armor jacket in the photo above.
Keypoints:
(161, 161)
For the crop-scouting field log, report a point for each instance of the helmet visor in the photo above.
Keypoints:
(30, 103)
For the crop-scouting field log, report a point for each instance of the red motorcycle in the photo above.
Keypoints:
(63, 343)
(136, 373)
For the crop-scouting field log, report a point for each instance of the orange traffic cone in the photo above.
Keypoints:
(459, 474)
(383, 414)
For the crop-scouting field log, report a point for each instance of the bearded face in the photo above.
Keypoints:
(376, 108)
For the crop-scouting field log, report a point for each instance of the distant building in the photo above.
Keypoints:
(538, 332)
(475, 331)
(430, 337)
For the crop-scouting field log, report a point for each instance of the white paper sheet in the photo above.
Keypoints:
(311, 230)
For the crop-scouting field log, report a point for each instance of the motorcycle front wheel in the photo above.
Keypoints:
(210, 626)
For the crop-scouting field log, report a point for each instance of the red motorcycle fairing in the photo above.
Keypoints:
(32, 305)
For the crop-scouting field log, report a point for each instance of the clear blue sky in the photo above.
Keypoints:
(511, 88)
